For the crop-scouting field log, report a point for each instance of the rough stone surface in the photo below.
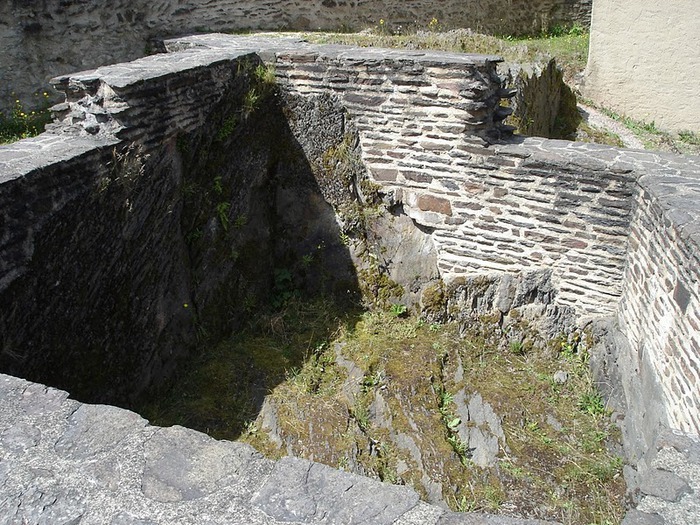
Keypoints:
(454, 518)
(663, 484)
(480, 428)
(43, 39)
(666, 483)
(298, 490)
(637, 517)
(63, 462)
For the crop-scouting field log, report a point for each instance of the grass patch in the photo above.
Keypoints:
(220, 390)
(570, 48)
(22, 123)
(653, 138)
(587, 133)
(365, 390)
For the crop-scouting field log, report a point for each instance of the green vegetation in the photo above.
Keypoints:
(220, 390)
(261, 84)
(340, 386)
(22, 123)
(684, 142)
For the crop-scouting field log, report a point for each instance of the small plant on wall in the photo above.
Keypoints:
(22, 123)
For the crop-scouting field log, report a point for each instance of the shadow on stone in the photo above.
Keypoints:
(174, 248)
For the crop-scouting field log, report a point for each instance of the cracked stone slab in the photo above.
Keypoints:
(183, 465)
(93, 429)
(301, 491)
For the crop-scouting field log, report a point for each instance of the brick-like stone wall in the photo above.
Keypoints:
(423, 120)
(42, 39)
(660, 306)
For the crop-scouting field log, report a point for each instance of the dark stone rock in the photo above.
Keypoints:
(682, 296)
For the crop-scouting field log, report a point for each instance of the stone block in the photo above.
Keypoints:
(663, 484)
(427, 202)
(300, 491)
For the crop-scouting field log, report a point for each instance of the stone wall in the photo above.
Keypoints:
(642, 61)
(44, 38)
(660, 308)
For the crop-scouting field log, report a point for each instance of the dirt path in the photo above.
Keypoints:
(598, 120)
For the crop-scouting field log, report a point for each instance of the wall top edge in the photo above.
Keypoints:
(292, 45)
(21, 158)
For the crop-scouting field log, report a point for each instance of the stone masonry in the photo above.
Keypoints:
(42, 39)
(618, 229)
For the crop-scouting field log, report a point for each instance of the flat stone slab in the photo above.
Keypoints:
(299, 490)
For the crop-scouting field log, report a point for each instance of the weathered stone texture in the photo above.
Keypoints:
(66, 462)
(660, 307)
(44, 39)
(423, 119)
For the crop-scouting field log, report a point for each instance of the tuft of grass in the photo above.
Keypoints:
(22, 123)
(222, 210)
(587, 133)
(251, 101)
(689, 137)
(265, 75)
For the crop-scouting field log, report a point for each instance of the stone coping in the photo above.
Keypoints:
(293, 45)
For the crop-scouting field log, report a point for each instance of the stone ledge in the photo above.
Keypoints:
(305, 51)
(67, 462)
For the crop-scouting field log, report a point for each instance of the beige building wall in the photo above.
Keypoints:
(644, 60)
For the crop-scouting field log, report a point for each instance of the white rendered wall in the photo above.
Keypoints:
(644, 60)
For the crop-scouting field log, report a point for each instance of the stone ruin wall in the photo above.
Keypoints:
(618, 229)
(660, 305)
(45, 38)
(514, 208)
